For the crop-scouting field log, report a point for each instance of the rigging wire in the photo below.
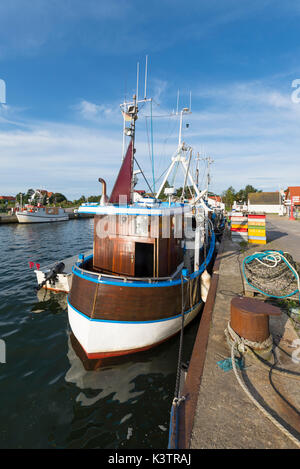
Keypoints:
(152, 150)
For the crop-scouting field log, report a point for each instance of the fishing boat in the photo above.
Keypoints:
(33, 214)
(145, 277)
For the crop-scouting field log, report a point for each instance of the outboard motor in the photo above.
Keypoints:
(51, 277)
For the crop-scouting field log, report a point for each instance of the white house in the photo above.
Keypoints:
(265, 202)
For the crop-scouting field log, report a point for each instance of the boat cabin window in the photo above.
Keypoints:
(141, 225)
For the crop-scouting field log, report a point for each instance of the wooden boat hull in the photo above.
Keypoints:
(112, 316)
(118, 318)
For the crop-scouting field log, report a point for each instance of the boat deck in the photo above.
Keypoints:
(69, 263)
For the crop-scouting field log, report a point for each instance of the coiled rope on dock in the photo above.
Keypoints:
(240, 345)
(272, 272)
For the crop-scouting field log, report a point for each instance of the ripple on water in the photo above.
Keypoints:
(48, 393)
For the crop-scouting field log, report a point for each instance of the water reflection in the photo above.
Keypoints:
(111, 376)
(54, 302)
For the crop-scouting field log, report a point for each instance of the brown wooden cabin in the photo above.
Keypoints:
(137, 245)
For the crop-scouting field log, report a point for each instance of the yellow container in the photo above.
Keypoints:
(257, 241)
(256, 223)
(254, 232)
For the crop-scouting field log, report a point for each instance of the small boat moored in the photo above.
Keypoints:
(50, 277)
(32, 214)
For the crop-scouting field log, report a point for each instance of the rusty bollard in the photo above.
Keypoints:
(249, 319)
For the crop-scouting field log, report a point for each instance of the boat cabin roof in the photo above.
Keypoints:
(139, 208)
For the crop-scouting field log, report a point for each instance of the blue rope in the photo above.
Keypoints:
(265, 255)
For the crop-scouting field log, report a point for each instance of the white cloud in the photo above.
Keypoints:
(59, 157)
(94, 112)
(250, 129)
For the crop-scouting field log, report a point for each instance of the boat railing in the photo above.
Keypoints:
(124, 278)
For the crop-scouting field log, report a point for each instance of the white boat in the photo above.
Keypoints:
(61, 281)
(41, 215)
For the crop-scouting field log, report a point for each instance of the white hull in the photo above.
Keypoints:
(62, 284)
(36, 218)
(108, 338)
(64, 279)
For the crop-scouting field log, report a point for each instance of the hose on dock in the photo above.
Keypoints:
(240, 346)
(270, 272)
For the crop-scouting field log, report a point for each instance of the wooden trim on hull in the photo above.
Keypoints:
(121, 303)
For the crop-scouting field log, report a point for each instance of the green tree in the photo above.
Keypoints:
(29, 194)
(57, 198)
(162, 195)
(93, 198)
(228, 197)
(24, 198)
(242, 194)
(187, 192)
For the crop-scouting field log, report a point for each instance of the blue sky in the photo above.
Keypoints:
(68, 64)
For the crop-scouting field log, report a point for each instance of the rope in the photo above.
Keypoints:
(183, 301)
(173, 429)
(178, 399)
(271, 259)
(241, 345)
(232, 336)
(151, 129)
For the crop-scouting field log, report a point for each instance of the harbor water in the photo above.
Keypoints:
(50, 396)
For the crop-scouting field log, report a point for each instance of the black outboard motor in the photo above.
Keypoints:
(51, 277)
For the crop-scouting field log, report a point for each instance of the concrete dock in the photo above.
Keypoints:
(217, 413)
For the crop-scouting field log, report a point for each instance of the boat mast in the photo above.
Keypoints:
(130, 113)
(209, 160)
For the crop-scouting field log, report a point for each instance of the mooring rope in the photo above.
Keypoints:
(177, 400)
(242, 345)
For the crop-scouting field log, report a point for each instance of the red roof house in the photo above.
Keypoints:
(8, 198)
(293, 195)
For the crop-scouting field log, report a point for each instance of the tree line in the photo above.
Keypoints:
(241, 197)
(55, 199)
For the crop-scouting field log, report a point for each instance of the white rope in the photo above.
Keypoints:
(243, 343)
(276, 257)
(235, 346)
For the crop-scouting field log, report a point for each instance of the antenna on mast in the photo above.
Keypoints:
(177, 101)
(146, 68)
(190, 101)
(137, 80)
